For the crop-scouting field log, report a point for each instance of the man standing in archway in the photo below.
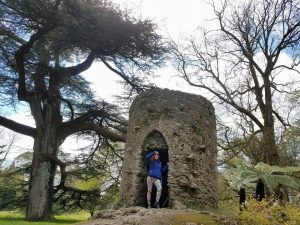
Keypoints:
(154, 176)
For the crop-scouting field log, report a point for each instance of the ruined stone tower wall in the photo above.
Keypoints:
(187, 124)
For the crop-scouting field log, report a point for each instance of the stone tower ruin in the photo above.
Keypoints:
(182, 128)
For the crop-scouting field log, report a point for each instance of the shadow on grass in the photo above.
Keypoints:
(65, 221)
(19, 220)
(23, 221)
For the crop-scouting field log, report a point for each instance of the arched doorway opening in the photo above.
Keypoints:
(155, 141)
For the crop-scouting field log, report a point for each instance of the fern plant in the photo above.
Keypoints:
(242, 174)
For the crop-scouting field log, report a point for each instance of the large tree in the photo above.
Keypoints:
(246, 59)
(44, 47)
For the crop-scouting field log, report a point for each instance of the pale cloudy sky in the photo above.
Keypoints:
(174, 18)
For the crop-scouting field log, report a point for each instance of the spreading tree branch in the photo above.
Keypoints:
(73, 128)
(20, 61)
(17, 127)
(75, 70)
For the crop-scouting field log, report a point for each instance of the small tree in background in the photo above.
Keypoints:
(291, 144)
(15, 182)
(7, 142)
(91, 180)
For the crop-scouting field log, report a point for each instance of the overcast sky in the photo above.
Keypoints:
(174, 18)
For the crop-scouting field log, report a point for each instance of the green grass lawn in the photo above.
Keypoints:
(15, 218)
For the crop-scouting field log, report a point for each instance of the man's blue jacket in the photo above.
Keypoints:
(155, 167)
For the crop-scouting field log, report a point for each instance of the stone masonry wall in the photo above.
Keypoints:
(187, 124)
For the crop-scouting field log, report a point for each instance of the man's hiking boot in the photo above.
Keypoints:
(156, 205)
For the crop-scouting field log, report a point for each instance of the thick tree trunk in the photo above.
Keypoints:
(271, 155)
(39, 206)
(46, 144)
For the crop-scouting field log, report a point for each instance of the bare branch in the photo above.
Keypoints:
(281, 119)
(123, 76)
(73, 128)
(17, 127)
(70, 107)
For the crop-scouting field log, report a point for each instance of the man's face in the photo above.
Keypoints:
(156, 156)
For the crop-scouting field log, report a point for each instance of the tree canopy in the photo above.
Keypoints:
(45, 46)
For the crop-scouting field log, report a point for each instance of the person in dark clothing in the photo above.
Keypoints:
(154, 176)
(242, 200)
(260, 190)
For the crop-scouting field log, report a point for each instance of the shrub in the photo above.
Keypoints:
(262, 213)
